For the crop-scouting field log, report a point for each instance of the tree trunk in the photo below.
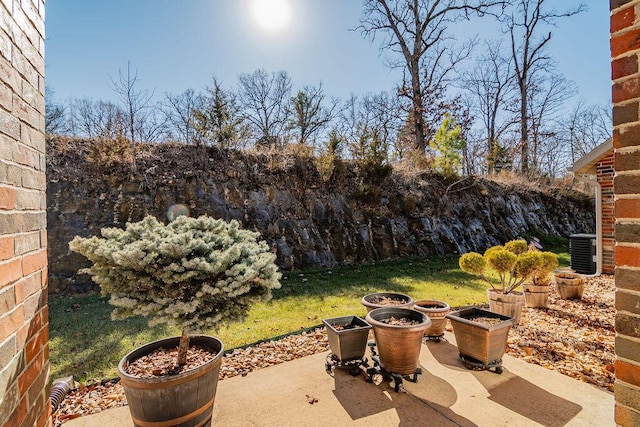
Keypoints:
(524, 130)
(418, 109)
(182, 349)
(492, 153)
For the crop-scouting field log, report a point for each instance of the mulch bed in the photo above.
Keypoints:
(573, 337)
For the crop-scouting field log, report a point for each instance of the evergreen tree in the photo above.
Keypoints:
(194, 273)
(448, 145)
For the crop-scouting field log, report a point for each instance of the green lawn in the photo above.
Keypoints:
(86, 343)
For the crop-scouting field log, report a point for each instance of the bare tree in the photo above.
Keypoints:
(55, 120)
(491, 82)
(180, 112)
(416, 30)
(135, 103)
(264, 99)
(311, 113)
(151, 124)
(547, 98)
(588, 125)
(385, 115)
(528, 51)
(369, 126)
(99, 119)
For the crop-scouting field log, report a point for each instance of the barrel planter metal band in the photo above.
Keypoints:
(176, 421)
(184, 400)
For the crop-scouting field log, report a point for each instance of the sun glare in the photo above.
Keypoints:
(271, 15)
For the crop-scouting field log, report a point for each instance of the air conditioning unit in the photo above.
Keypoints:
(583, 253)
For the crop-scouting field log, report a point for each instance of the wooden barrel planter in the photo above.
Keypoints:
(386, 299)
(506, 304)
(184, 400)
(536, 296)
(569, 285)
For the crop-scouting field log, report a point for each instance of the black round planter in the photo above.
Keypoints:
(184, 399)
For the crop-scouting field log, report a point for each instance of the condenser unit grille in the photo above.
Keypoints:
(583, 253)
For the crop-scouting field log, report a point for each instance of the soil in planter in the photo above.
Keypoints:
(347, 326)
(430, 305)
(399, 321)
(162, 362)
(485, 320)
(381, 300)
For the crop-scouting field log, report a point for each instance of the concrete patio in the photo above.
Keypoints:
(446, 394)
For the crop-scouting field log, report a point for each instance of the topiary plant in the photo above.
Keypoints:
(513, 262)
(548, 263)
(194, 273)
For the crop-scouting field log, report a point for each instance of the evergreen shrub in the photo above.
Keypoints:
(194, 273)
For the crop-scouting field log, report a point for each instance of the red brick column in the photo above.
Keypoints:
(24, 331)
(605, 175)
(625, 47)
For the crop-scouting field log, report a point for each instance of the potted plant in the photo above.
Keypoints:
(348, 337)
(481, 336)
(194, 273)
(398, 334)
(514, 264)
(386, 299)
(536, 293)
(569, 284)
(436, 311)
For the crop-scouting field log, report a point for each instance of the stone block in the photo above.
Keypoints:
(626, 417)
(626, 394)
(627, 324)
(627, 184)
(626, 301)
(627, 278)
(628, 136)
(628, 232)
(626, 347)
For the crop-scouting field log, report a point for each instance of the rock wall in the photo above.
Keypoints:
(307, 221)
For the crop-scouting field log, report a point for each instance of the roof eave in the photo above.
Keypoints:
(587, 163)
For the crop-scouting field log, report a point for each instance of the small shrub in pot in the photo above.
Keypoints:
(194, 273)
(514, 264)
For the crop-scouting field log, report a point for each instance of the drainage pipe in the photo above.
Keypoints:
(59, 390)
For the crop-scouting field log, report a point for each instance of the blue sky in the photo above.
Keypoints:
(180, 44)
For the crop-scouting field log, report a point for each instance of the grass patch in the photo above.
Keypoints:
(86, 343)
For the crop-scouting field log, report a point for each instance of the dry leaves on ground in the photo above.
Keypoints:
(573, 337)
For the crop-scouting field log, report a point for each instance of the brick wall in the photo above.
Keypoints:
(605, 174)
(625, 47)
(24, 351)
